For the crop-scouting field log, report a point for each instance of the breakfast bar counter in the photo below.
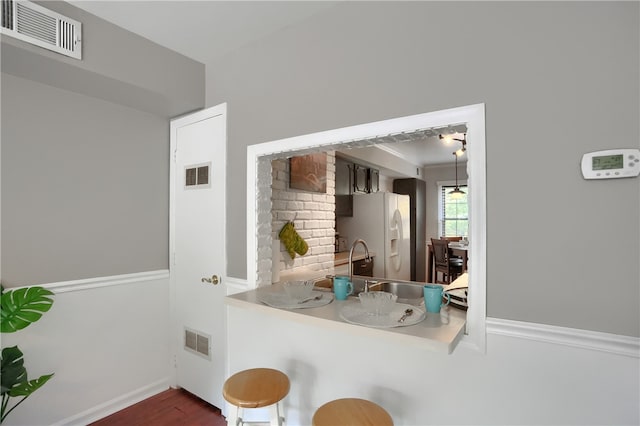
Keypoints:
(431, 333)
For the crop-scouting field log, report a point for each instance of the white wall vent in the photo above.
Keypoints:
(197, 343)
(197, 176)
(42, 27)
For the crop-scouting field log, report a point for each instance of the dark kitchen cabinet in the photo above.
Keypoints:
(344, 179)
(374, 180)
(360, 179)
(363, 267)
(416, 190)
(352, 178)
(344, 205)
(365, 179)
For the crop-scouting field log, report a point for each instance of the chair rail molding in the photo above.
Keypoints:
(586, 339)
(113, 280)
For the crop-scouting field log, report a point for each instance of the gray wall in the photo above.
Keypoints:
(84, 191)
(85, 154)
(557, 79)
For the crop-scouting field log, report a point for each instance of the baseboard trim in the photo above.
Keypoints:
(91, 283)
(593, 340)
(107, 408)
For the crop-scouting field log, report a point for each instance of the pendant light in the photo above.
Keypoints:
(457, 193)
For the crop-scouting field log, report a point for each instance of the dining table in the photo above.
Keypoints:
(455, 249)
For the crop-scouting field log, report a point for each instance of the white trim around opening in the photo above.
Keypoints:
(472, 115)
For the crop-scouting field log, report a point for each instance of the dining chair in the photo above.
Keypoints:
(452, 239)
(450, 267)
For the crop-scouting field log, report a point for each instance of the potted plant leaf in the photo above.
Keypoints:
(20, 307)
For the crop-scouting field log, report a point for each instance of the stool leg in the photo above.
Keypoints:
(277, 412)
(234, 419)
(281, 417)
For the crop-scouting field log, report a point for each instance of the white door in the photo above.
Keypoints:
(197, 252)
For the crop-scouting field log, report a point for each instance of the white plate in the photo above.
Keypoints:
(457, 245)
(462, 300)
(355, 314)
(280, 299)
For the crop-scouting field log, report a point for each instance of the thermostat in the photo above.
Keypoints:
(611, 164)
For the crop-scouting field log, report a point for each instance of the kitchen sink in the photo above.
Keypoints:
(407, 292)
(402, 290)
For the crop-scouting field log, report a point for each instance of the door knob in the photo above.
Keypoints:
(213, 280)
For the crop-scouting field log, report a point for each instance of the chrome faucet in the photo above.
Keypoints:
(367, 258)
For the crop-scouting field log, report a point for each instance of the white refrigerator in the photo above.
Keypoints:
(382, 220)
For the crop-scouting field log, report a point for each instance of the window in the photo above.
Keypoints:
(454, 213)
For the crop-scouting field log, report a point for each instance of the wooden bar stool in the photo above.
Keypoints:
(256, 388)
(351, 412)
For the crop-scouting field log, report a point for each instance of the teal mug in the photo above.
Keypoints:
(433, 295)
(342, 288)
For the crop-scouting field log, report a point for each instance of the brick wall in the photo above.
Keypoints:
(313, 215)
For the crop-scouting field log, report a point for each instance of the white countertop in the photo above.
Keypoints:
(431, 332)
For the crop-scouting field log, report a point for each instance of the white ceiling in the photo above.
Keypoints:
(207, 30)
(428, 152)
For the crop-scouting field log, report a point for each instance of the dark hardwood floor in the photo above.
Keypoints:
(168, 408)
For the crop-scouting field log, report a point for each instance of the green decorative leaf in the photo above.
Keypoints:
(12, 370)
(19, 308)
(27, 388)
(23, 306)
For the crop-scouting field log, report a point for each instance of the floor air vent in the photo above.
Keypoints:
(197, 342)
(42, 27)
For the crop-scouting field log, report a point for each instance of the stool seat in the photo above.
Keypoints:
(256, 387)
(351, 412)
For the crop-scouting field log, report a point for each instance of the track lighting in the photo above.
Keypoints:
(447, 139)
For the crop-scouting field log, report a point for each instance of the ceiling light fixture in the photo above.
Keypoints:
(457, 193)
(447, 139)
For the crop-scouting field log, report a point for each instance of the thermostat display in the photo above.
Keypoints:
(611, 164)
(607, 162)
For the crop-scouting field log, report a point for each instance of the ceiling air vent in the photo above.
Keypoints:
(42, 27)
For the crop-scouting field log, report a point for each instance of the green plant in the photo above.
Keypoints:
(20, 307)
